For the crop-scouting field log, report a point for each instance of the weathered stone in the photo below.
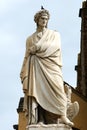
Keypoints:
(49, 127)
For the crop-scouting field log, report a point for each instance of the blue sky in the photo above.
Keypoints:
(16, 23)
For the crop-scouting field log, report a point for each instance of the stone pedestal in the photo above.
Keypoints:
(49, 127)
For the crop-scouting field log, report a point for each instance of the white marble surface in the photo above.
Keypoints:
(49, 127)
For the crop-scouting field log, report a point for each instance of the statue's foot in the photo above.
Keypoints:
(66, 121)
(40, 123)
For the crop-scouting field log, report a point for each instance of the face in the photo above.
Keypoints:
(43, 20)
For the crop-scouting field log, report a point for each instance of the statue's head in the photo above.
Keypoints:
(41, 13)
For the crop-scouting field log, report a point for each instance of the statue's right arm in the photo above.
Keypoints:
(22, 76)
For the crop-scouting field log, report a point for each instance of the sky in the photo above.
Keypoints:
(16, 24)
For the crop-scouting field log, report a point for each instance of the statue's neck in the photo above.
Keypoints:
(41, 29)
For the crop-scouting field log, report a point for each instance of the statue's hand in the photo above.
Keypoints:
(21, 77)
(25, 80)
(25, 91)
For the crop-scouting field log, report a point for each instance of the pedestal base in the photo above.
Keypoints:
(49, 127)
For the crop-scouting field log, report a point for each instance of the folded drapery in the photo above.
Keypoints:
(42, 70)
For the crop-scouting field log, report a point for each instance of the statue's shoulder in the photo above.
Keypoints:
(29, 38)
(54, 31)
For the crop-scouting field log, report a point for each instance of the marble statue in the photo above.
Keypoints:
(41, 74)
(72, 108)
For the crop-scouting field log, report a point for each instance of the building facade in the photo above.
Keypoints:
(81, 67)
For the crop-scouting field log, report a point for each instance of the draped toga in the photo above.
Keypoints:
(42, 72)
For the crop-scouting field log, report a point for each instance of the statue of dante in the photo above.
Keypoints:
(41, 73)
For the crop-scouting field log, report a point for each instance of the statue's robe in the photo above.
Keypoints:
(41, 72)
